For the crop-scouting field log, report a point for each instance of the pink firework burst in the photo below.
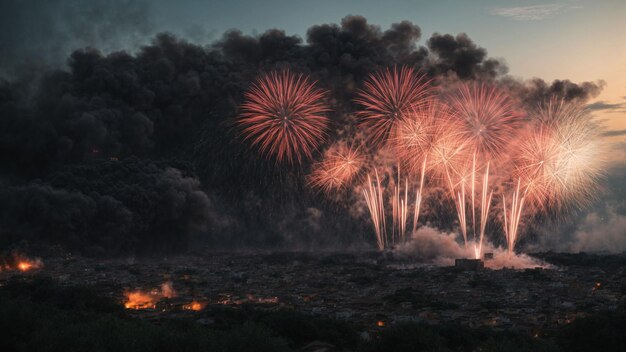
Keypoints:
(487, 118)
(559, 162)
(340, 166)
(388, 95)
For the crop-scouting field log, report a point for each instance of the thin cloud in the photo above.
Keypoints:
(614, 133)
(603, 106)
(532, 13)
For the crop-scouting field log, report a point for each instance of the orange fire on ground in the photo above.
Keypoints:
(195, 306)
(20, 263)
(147, 300)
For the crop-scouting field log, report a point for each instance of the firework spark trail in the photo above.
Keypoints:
(404, 211)
(484, 212)
(387, 96)
(374, 198)
(513, 216)
(418, 197)
(460, 210)
(283, 115)
(428, 139)
(458, 197)
(474, 194)
(487, 121)
(399, 202)
(400, 209)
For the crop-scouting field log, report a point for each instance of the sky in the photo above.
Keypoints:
(577, 40)
(580, 40)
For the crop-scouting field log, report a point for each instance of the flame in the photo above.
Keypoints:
(141, 300)
(194, 305)
(24, 266)
(20, 263)
(380, 323)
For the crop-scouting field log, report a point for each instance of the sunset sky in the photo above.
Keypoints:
(578, 40)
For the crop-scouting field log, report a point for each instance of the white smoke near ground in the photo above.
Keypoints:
(502, 259)
(432, 246)
(429, 245)
(600, 228)
(601, 232)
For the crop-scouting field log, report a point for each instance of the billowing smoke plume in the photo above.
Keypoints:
(125, 151)
(123, 207)
(431, 246)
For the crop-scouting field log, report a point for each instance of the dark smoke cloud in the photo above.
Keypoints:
(41, 34)
(536, 90)
(604, 106)
(108, 207)
(142, 146)
(460, 56)
(614, 133)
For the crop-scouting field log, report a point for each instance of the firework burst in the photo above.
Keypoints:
(559, 163)
(388, 95)
(283, 116)
(340, 166)
(487, 118)
(420, 133)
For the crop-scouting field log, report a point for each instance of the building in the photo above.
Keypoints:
(469, 264)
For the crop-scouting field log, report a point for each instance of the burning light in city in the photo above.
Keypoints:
(195, 306)
(19, 262)
(147, 300)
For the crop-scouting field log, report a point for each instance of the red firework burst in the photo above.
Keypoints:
(388, 95)
(487, 118)
(283, 115)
